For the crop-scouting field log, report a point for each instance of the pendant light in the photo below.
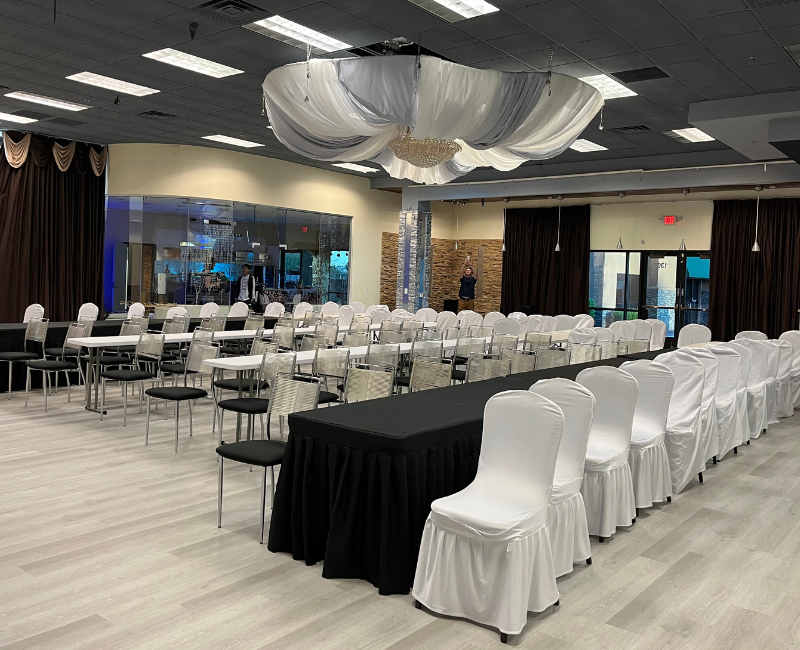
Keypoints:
(682, 247)
(619, 243)
(756, 248)
(558, 236)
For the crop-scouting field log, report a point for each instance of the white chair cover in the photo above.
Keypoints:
(238, 310)
(524, 324)
(566, 520)
(34, 311)
(793, 336)
(584, 320)
(783, 382)
(725, 399)
(87, 310)
(753, 335)
(684, 419)
(274, 309)
(649, 462)
(603, 334)
(426, 315)
(209, 309)
(709, 442)
(644, 330)
(565, 322)
(136, 310)
(515, 314)
(176, 311)
(330, 308)
(506, 326)
(485, 552)
(301, 309)
(468, 318)
(446, 319)
(773, 361)
(607, 484)
(368, 311)
(693, 333)
(400, 314)
(745, 361)
(358, 307)
(659, 333)
(756, 386)
(587, 336)
(623, 330)
(534, 324)
(345, 313)
(380, 315)
(549, 324)
(492, 317)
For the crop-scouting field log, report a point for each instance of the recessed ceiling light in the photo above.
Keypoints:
(234, 141)
(47, 101)
(110, 83)
(356, 168)
(586, 145)
(455, 10)
(193, 63)
(693, 135)
(295, 34)
(8, 117)
(608, 87)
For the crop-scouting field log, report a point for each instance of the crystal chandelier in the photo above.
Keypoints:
(425, 153)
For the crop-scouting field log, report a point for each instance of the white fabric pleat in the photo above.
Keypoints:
(650, 473)
(609, 500)
(709, 431)
(728, 425)
(757, 410)
(569, 533)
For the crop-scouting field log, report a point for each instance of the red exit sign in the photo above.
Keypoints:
(670, 220)
(305, 228)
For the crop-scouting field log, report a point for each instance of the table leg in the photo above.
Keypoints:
(240, 377)
(93, 377)
(89, 377)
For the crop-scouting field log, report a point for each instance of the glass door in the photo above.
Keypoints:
(694, 293)
(661, 290)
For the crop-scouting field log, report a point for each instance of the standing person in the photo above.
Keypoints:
(466, 293)
(246, 286)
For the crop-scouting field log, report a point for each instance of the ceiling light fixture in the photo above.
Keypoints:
(756, 248)
(693, 135)
(234, 141)
(356, 168)
(455, 10)
(109, 83)
(585, 146)
(609, 88)
(8, 117)
(295, 34)
(47, 101)
(193, 63)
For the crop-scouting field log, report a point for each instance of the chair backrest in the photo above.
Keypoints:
(603, 334)
(429, 373)
(365, 382)
(429, 349)
(481, 367)
(36, 330)
(577, 404)
(551, 358)
(293, 393)
(358, 307)
(355, 339)
(346, 314)
(208, 310)
(518, 315)
(238, 310)
(203, 334)
(502, 342)
(372, 308)
(693, 333)
(659, 334)
(380, 316)
(150, 347)
(710, 370)
(74, 331)
(644, 330)
(142, 321)
(312, 342)
(521, 360)
(623, 329)
(131, 328)
(382, 354)
(88, 323)
(453, 333)
(412, 327)
(136, 310)
(615, 393)
(332, 362)
(262, 345)
(254, 321)
(758, 362)
(656, 382)
(330, 308)
(548, 323)
(428, 335)
(88, 310)
(745, 361)
(728, 372)
(534, 340)
(492, 317)
(390, 336)
(583, 352)
(33, 311)
(566, 322)
(176, 325)
(793, 336)
(753, 335)
(773, 358)
(468, 345)
(199, 353)
(283, 335)
(401, 314)
(426, 315)
(786, 357)
(302, 308)
(534, 324)
(584, 320)
(275, 363)
(214, 322)
(480, 331)
(687, 391)
(274, 309)
(468, 317)
(446, 319)
(176, 311)
(507, 326)
(328, 331)
(584, 336)
(518, 462)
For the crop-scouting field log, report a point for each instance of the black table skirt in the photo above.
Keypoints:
(355, 495)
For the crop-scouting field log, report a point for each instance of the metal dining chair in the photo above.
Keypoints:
(50, 366)
(366, 382)
(35, 332)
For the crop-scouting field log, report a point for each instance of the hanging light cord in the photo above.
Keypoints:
(558, 236)
(758, 198)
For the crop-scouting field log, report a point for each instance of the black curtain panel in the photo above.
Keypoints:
(534, 274)
(748, 290)
(51, 233)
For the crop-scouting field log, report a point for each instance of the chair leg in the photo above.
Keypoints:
(272, 485)
(124, 403)
(69, 393)
(221, 419)
(141, 392)
(700, 476)
(102, 399)
(27, 383)
(147, 423)
(219, 494)
(261, 416)
(177, 419)
(669, 499)
(45, 386)
(735, 450)
(191, 431)
(268, 426)
(10, 366)
(263, 502)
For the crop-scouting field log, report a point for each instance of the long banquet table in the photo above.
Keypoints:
(358, 480)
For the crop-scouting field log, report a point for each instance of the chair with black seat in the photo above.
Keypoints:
(216, 322)
(66, 352)
(427, 349)
(120, 356)
(289, 395)
(536, 340)
(328, 332)
(389, 336)
(480, 331)
(35, 332)
(331, 364)
(366, 382)
(430, 373)
(464, 347)
(429, 335)
(170, 365)
(355, 339)
(253, 322)
(146, 364)
(551, 358)
(49, 366)
(177, 324)
(384, 354)
(486, 366)
(501, 342)
(33, 311)
(199, 352)
(413, 327)
(311, 342)
(521, 360)
(283, 335)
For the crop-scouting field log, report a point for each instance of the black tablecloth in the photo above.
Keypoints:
(358, 480)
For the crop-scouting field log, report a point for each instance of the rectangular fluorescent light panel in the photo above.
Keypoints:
(608, 87)
(295, 34)
(356, 168)
(193, 63)
(456, 10)
(585, 145)
(8, 117)
(234, 141)
(47, 101)
(110, 83)
(693, 135)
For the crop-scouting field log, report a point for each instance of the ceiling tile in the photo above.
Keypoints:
(540, 59)
(473, 53)
(741, 22)
(650, 39)
(787, 70)
(778, 15)
(679, 53)
(626, 16)
(747, 43)
(690, 68)
(320, 16)
(789, 35)
(694, 9)
(773, 84)
(622, 62)
(525, 42)
(602, 47)
(360, 33)
(400, 17)
(117, 17)
(504, 64)
(562, 21)
(740, 59)
(722, 91)
(491, 26)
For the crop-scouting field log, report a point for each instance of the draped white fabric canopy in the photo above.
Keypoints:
(349, 110)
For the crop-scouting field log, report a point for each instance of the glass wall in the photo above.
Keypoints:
(189, 251)
(613, 286)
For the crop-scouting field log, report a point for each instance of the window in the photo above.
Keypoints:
(613, 286)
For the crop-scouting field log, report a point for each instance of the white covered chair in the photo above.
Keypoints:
(492, 317)
(358, 307)
(380, 315)
(136, 310)
(301, 309)
(34, 311)
(446, 319)
(649, 462)
(534, 324)
(87, 311)
(659, 335)
(644, 331)
(515, 314)
(468, 318)
(709, 442)
(566, 322)
(368, 311)
(692, 334)
(274, 309)
(583, 336)
(176, 311)
(506, 326)
(725, 399)
(773, 361)
(753, 335)
(742, 421)
(426, 315)
(783, 382)
(793, 336)
(684, 419)
(401, 316)
(208, 310)
(624, 330)
(566, 520)
(583, 321)
(330, 308)
(238, 310)
(607, 484)
(485, 552)
(548, 324)
(605, 341)
(345, 314)
(756, 386)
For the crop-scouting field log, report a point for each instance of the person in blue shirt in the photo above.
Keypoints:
(466, 293)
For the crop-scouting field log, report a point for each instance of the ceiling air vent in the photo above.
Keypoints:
(65, 121)
(640, 74)
(34, 115)
(156, 115)
(235, 12)
(630, 130)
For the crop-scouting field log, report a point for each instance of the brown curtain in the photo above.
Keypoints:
(51, 233)
(533, 273)
(754, 291)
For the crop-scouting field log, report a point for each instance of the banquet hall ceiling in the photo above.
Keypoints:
(707, 50)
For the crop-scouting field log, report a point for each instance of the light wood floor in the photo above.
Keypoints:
(108, 544)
